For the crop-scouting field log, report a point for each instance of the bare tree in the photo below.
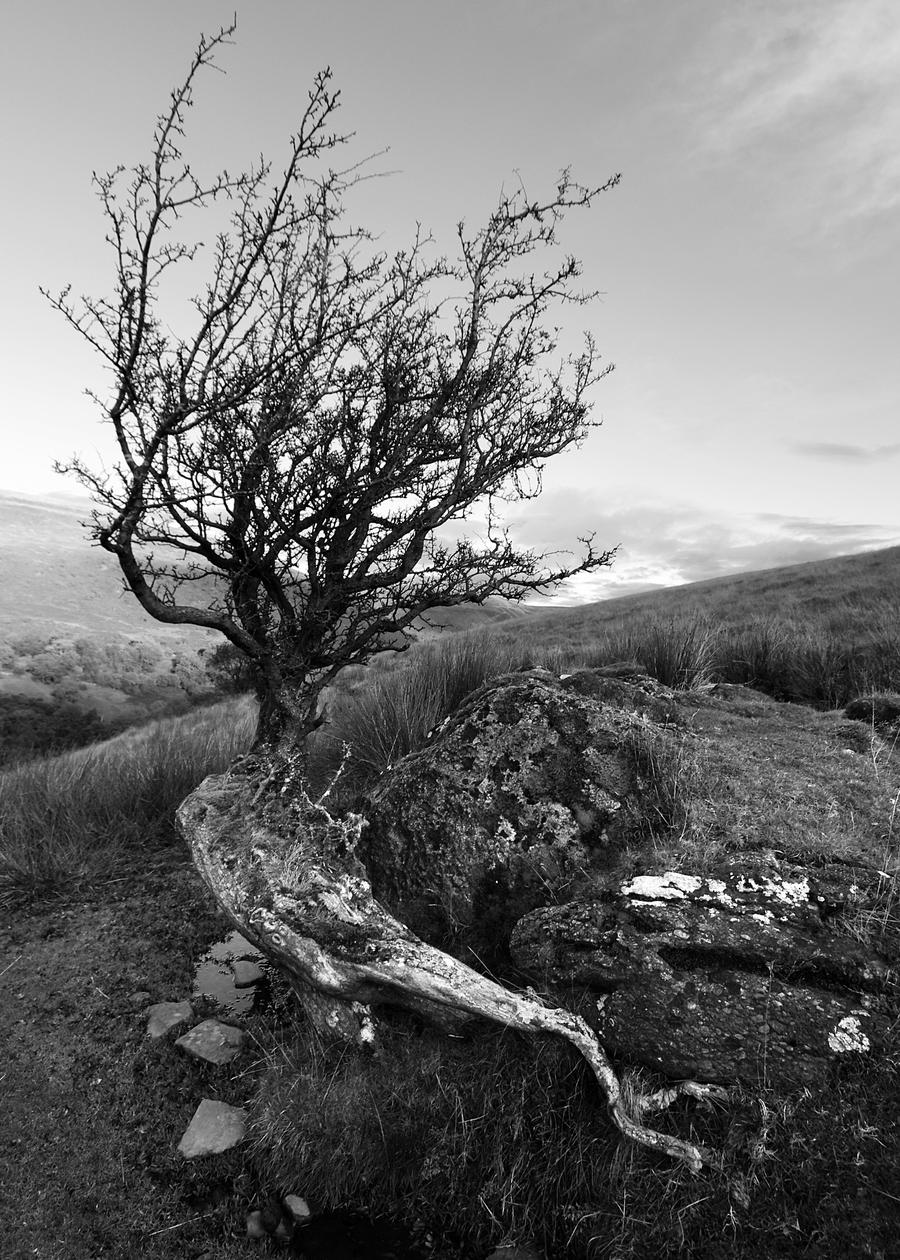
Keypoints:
(331, 411)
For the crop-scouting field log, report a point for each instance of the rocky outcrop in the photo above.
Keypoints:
(746, 975)
(507, 832)
(518, 800)
(526, 834)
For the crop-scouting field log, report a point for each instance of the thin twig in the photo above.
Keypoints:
(180, 1225)
(884, 1192)
(8, 965)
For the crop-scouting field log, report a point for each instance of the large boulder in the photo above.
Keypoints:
(526, 836)
(520, 798)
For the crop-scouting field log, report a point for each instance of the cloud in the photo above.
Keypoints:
(809, 93)
(669, 544)
(845, 451)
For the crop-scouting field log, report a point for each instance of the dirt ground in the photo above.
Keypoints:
(92, 1110)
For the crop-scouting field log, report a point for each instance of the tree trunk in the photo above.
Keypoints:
(288, 715)
(286, 874)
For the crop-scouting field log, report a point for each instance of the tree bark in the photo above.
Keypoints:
(287, 876)
(288, 715)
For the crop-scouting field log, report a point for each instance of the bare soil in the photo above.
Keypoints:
(92, 1109)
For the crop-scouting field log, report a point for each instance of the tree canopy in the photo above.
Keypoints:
(334, 412)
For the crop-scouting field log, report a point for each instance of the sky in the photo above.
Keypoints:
(748, 262)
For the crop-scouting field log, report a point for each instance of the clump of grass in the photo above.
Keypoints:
(72, 820)
(393, 713)
(882, 709)
(676, 822)
(679, 652)
(757, 656)
(494, 1138)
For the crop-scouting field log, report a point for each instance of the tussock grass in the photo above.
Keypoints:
(505, 1139)
(392, 711)
(678, 783)
(388, 711)
(496, 1137)
(72, 820)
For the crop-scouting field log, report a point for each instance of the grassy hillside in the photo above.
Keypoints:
(78, 657)
(76, 820)
(56, 584)
(830, 594)
(819, 633)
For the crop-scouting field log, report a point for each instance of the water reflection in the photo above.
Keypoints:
(233, 974)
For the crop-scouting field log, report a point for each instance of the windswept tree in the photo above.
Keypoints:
(331, 414)
(314, 442)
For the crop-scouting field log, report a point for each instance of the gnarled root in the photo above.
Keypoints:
(288, 879)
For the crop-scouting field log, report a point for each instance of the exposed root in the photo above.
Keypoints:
(317, 917)
(662, 1098)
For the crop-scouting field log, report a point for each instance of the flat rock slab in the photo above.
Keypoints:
(166, 1015)
(212, 1041)
(246, 973)
(215, 1127)
(740, 975)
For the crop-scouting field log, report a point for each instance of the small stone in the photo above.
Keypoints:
(255, 1227)
(165, 1015)
(246, 973)
(212, 1041)
(215, 1127)
(283, 1232)
(139, 998)
(298, 1207)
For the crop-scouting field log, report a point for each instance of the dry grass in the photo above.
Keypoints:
(73, 820)
(503, 1139)
(497, 1137)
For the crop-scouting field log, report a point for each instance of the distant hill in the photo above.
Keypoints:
(53, 581)
(75, 642)
(816, 591)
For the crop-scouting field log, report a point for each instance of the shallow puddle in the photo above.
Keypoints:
(232, 974)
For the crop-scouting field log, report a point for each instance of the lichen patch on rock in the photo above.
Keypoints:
(848, 1036)
(670, 884)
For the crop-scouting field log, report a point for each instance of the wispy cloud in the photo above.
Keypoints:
(842, 451)
(808, 92)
